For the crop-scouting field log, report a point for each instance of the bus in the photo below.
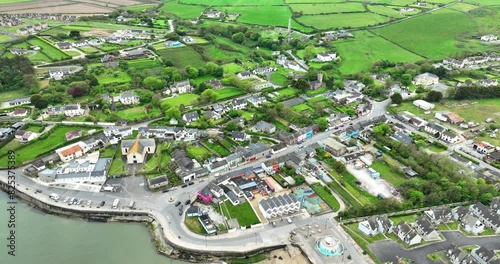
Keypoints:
(54, 196)
(115, 203)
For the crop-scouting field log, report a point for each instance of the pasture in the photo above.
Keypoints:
(48, 50)
(3, 2)
(182, 11)
(232, 68)
(182, 57)
(312, 1)
(413, 34)
(144, 63)
(231, 2)
(463, 7)
(385, 10)
(312, 9)
(337, 21)
(483, 2)
(360, 53)
(227, 93)
(89, 50)
(183, 99)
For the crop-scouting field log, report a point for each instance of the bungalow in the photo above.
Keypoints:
(483, 147)
(449, 137)
(264, 127)
(73, 134)
(293, 65)
(212, 115)
(187, 39)
(25, 136)
(402, 137)
(157, 182)
(326, 56)
(58, 74)
(80, 43)
(215, 83)
(434, 129)
(489, 38)
(18, 51)
(20, 112)
(64, 45)
(244, 75)
(190, 117)
(134, 54)
(409, 236)
(425, 79)
(238, 135)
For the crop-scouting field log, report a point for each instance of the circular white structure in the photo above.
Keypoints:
(330, 246)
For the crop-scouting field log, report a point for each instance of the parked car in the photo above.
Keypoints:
(102, 203)
(184, 186)
(188, 201)
(181, 207)
(66, 200)
(165, 191)
(177, 204)
(190, 183)
(289, 220)
(89, 202)
(180, 212)
(38, 190)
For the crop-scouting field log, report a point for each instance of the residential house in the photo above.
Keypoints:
(425, 79)
(409, 236)
(376, 225)
(264, 70)
(187, 39)
(80, 43)
(402, 137)
(70, 110)
(18, 51)
(483, 147)
(64, 45)
(16, 102)
(207, 224)
(24, 136)
(194, 211)
(278, 147)
(237, 104)
(212, 115)
(213, 14)
(73, 134)
(449, 137)
(58, 74)
(218, 166)
(279, 205)
(495, 205)
(127, 98)
(470, 223)
(483, 255)
(22, 31)
(19, 112)
(457, 256)
(426, 229)
(136, 149)
(238, 135)
(180, 87)
(190, 117)
(439, 215)
(264, 127)
(363, 109)
(72, 151)
(255, 151)
(487, 83)
(118, 132)
(489, 218)
(459, 212)
(215, 83)
(256, 101)
(434, 129)
(244, 75)
(138, 53)
(157, 182)
(110, 61)
(326, 56)
(489, 38)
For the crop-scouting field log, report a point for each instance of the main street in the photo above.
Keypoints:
(161, 206)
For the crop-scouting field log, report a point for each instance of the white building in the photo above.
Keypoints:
(423, 105)
(137, 149)
(127, 98)
(72, 151)
(376, 225)
(279, 205)
(326, 56)
(70, 110)
(489, 38)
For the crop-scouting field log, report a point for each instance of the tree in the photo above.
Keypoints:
(208, 95)
(173, 112)
(38, 101)
(406, 79)
(192, 72)
(76, 91)
(75, 34)
(322, 123)
(232, 126)
(145, 96)
(382, 129)
(238, 37)
(434, 96)
(396, 98)
(300, 84)
(233, 113)
(153, 83)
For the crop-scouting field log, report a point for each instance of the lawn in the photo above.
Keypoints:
(301, 107)
(113, 76)
(316, 92)
(368, 239)
(407, 218)
(183, 99)
(338, 21)
(279, 77)
(138, 113)
(118, 166)
(246, 115)
(217, 148)
(447, 26)
(360, 53)
(266, 16)
(144, 63)
(89, 50)
(182, 57)
(481, 2)
(286, 91)
(232, 68)
(242, 212)
(326, 196)
(227, 93)
(154, 161)
(182, 11)
(54, 140)
(35, 128)
(49, 50)
(194, 225)
(312, 9)
(388, 173)
(200, 153)
(108, 153)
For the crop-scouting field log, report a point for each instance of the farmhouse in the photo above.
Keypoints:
(425, 79)
(488, 38)
(213, 14)
(18, 51)
(136, 149)
(423, 104)
(326, 56)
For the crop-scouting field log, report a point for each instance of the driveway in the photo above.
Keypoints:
(387, 250)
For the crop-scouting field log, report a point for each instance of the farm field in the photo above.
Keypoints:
(311, 9)
(182, 11)
(48, 50)
(30, 151)
(138, 113)
(13, 94)
(266, 16)
(140, 7)
(182, 57)
(183, 99)
(360, 53)
(2, 2)
(312, 1)
(242, 212)
(228, 93)
(4, 38)
(144, 63)
(447, 25)
(231, 2)
(463, 7)
(483, 2)
(279, 77)
(385, 10)
(337, 21)
(215, 53)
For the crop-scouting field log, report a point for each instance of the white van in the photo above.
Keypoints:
(115, 203)
(131, 204)
(54, 196)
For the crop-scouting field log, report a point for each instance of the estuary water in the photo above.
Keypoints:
(47, 239)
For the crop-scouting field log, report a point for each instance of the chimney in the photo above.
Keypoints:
(320, 77)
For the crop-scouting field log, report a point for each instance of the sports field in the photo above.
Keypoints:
(414, 34)
(336, 21)
(360, 53)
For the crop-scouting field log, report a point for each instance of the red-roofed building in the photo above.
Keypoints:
(20, 112)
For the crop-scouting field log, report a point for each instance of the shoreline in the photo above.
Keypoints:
(156, 232)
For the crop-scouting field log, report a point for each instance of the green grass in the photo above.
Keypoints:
(118, 166)
(253, 259)
(141, 7)
(35, 128)
(182, 57)
(316, 92)
(312, 1)
(368, 239)
(463, 7)
(182, 11)
(385, 10)
(349, 184)
(2, 2)
(301, 107)
(154, 161)
(183, 99)
(482, 2)
(338, 21)
(447, 26)
(345, 194)
(388, 173)
(242, 212)
(326, 196)
(232, 68)
(226, 93)
(113, 76)
(217, 148)
(194, 225)
(138, 113)
(407, 218)
(4, 38)
(13, 94)
(231, 2)
(89, 50)
(360, 53)
(108, 153)
(286, 91)
(48, 50)
(144, 63)
(435, 149)
(312, 9)
(40, 146)
(266, 16)
(199, 153)
(246, 115)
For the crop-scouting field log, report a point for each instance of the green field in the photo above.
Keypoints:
(141, 7)
(13, 94)
(311, 9)
(232, 68)
(194, 225)
(4, 38)
(231, 2)
(113, 76)
(358, 54)
(117, 165)
(89, 50)
(413, 34)
(182, 11)
(326, 196)
(482, 2)
(144, 63)
(301, 107)
(385, 10)
(388, 173)
(138, 113)
(199, 153)
(313, 1)
(38, 147)
(226, 93)
(463, 7)
(286, 91)
(182, 57)
(266, 16)
(217, 148)
(2, 2)
(242, 212)
(50, 51)
(183, 99)
(337, 21)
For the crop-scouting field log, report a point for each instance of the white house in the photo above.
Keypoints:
(409, 236)
(489, 38)
(72, 151)
(326, 56)
(70, 110)
(179, 87)
(279, 205)
(190, 117)
(483, 255)
(425, 79)
(472, 224)
(376, 225)
(127, 98)
(244, 75)
(426, 229)
(137, 149)
(25, 136)
(58, 74)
